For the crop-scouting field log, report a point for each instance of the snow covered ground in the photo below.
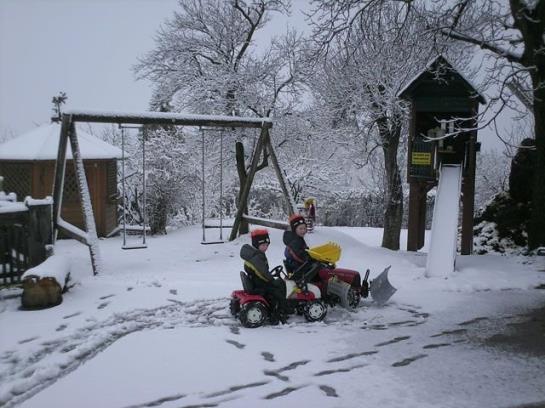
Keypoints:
(154, 330)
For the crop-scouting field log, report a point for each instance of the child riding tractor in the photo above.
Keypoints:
(306, 294)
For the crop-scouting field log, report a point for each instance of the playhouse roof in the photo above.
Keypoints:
(42, 143)
(426, 74)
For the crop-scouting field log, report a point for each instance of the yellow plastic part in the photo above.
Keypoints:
(329, 252)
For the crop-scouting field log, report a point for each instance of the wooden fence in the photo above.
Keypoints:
(24, 234)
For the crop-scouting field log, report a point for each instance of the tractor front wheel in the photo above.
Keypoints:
(353, 297)
(315, 311)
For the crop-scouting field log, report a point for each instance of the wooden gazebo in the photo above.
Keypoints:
(27, 164)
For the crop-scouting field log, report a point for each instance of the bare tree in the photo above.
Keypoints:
(513, 33)
(205, 60)
(371, 49)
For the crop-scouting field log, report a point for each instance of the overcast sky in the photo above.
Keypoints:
(86, 48)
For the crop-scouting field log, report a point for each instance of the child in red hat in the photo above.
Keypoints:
(298, 262)
(257, 268)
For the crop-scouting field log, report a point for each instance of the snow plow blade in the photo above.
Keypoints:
(381, 289)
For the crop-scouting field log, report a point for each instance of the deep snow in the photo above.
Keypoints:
(154, 330)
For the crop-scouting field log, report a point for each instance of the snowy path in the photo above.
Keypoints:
(162, 336)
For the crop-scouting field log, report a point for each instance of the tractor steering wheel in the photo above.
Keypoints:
(278, 271)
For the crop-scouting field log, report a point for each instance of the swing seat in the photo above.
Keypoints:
(212, 242)
(136, 246)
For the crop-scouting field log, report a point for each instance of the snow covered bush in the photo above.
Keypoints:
(171, 177)
(501, 226)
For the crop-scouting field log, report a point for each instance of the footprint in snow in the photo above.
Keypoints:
(68, 348)
(351, 355)
(472, 321)
(285, 391)
(329, 391)
(236, 388)
(106, 297)
(435, 345)
(274, 373)
(234, 329)
(338, 370)
(129, 288)
(408, 361)
(268, 356)
(71, 315)
(394, 340)
(61, 327)
(103, 305)
(236, 344)
(28, 340)
(277, 373)
(173, 291)
(447, 332)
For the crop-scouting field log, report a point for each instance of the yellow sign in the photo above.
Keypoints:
(421, 159)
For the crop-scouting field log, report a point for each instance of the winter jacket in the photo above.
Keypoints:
(295, 252)
(256, 264)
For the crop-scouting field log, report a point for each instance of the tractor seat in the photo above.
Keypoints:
(249, 286)
(247, 283)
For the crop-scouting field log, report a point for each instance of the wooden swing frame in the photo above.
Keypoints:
(88, 236)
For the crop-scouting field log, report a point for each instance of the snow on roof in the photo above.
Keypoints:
(42, 143)
(429, 66)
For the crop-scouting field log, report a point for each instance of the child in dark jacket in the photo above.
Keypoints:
(298, 262)
(257, 268)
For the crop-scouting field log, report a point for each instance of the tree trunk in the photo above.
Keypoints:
(536, 230)
(242, 176)
(393, 214)
(531, 23)
(159, 216)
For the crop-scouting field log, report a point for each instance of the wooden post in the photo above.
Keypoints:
(289, 199)
(414, 217)
(468, 200)
(60, 169)
(83, 188)
(40, 232)
(246, 188)
(422, 217)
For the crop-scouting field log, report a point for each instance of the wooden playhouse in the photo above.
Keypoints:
(27, 164)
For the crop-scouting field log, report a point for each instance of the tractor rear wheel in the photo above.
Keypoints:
(253, 314)
(234, 306)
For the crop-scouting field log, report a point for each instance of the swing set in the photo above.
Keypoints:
(88, 236)
(143, 244)
(203, 189)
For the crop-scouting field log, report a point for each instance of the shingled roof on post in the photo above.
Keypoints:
(438, 70)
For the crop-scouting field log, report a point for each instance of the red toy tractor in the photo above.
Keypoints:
(310, 296)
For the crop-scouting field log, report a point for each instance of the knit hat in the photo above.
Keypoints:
(260, 236)
(295, 220)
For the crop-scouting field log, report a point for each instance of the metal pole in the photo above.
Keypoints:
(123, 184)
(203, 185)
(144, 133)
(221, 186)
